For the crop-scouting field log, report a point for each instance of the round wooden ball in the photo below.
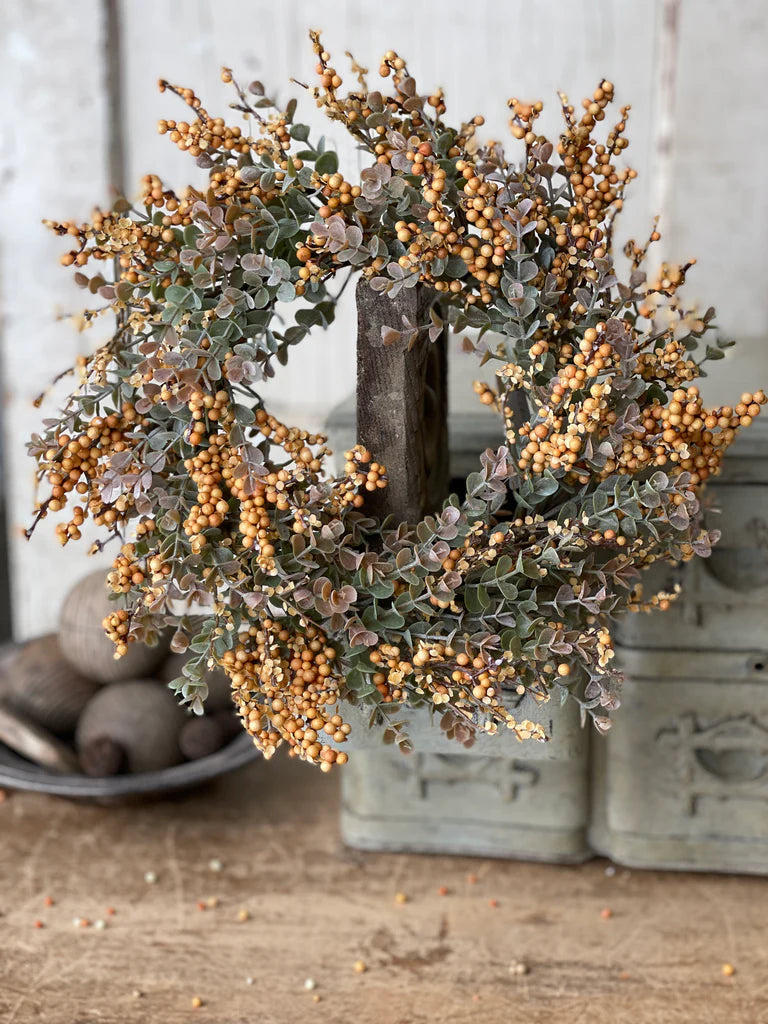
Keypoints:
(139, 716)
(46, 688)
(219, 687)
(84, 643)
(201, 736)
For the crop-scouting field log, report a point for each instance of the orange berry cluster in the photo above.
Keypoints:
(109, 236)
(78, 464)
(117, 626)
(286, 688)
(207, 410)
(204, 134)
(470, 682)
(336, 193)
(130, 571)
(126, 571)
(205, 468)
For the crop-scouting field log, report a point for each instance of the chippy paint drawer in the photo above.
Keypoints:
(706, 615)
(681, 779)
(457, 804)
(724, 601)
(740, 559)
(738, 499)
(561, 723)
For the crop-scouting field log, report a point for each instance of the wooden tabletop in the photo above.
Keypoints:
(294, 907)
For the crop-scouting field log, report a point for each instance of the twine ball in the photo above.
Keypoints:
(84, 643)
(202, 736)
(141, 717)
(46, 688)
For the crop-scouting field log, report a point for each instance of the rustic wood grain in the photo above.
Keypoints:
(402, 402)
(316, 909)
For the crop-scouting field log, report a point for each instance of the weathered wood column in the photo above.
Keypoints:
(402, 403)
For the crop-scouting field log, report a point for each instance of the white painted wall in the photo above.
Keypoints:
(694, 71)
(52, 163)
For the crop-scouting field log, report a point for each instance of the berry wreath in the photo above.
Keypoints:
(308, 599)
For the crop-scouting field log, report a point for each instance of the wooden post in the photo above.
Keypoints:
(402, 403)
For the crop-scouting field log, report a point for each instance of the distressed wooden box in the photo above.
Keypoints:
(559, 721)
(499, 798)
(724, 601)
(681, 779)
(707, 615)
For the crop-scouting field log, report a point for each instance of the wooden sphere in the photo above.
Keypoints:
(46, 688)
(84, 643)
(219, 687)
(102, 757)
(141, 716)
(201, 736)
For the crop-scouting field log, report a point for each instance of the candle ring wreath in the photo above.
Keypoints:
(228, 527)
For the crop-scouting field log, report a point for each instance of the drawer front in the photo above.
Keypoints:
(451, 803)
(687, 756)
(740, 559)
(706, 615)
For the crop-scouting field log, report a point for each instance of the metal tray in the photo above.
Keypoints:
(18, 773)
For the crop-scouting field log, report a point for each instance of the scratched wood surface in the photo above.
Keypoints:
(68, 70)
(316, 908)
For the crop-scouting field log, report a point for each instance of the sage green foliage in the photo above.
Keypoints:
(222, 304)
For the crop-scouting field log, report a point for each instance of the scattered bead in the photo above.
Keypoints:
(606, 913)
(243, 915)
(493, 903)
(215, 865)
(360, 967)
(518, 967)
(39, 924)
(197, 1002)
(400, 897)
(442, 890)
(310, 984)
(150, 877)
(728, 970)
(48, 901)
